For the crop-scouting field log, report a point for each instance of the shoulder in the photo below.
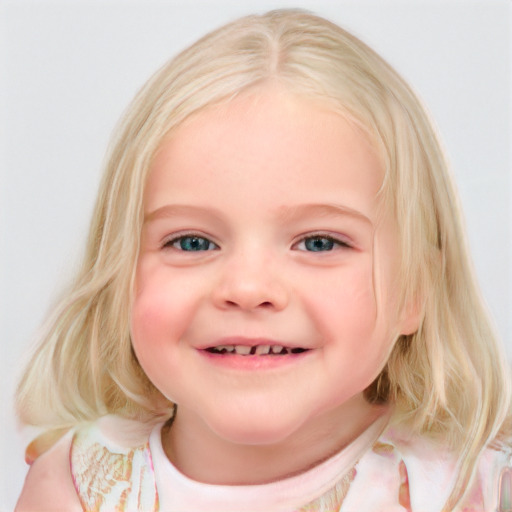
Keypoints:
(96, 458)
(486, 486)
(49, 484)
(111, 464)
(432, 470)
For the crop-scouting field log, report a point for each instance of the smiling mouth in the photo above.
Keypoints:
(255, 350)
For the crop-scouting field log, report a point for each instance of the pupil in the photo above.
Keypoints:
(319, 244)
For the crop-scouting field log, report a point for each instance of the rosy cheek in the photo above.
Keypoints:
(144, 315)
(150, 308)
(151, 322)
(159, 313)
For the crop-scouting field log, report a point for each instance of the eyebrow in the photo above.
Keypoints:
(284, 213)
(171, 210)
(287, 213)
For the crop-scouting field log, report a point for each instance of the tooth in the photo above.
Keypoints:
(276, 349)
(262, 349)
(224, 348)
(243, 350)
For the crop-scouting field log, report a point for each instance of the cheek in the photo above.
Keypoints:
(345, 304)
(159, 313)
(152, 309)
(357, 329)
(158, 319)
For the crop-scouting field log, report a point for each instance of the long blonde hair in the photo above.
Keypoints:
(449, 379)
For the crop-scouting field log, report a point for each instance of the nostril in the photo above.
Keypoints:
(266, 304)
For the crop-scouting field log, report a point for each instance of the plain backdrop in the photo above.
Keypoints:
(69, 68)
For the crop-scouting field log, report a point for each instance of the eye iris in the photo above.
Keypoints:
(194, 243)
(319, 244)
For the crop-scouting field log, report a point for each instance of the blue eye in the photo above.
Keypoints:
(320, 243)
(191, 243)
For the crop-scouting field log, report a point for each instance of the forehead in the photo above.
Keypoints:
(269, 145)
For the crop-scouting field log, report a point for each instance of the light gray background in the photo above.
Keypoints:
(69, 68)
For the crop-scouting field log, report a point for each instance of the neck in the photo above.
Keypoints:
(202, 455)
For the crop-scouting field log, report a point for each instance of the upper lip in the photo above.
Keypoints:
(249, 342)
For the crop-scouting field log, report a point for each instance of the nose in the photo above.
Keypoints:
(251, 283)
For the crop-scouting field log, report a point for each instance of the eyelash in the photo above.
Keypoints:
(333, 243)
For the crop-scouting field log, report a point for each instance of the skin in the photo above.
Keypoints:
(257, 184)
(49, 486)
(289, 176)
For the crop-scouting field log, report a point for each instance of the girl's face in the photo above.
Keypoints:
(266, 297)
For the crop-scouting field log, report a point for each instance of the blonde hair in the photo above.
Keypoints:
(449, 379)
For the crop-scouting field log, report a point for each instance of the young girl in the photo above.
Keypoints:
(276, 310)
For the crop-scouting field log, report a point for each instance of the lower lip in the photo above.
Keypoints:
(254, 362)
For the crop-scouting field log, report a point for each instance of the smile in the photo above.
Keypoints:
(258, 350)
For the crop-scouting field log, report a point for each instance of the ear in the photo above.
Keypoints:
(412, 316)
